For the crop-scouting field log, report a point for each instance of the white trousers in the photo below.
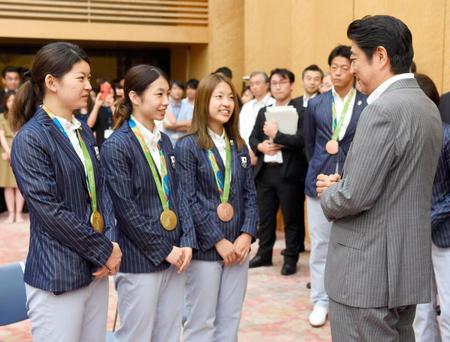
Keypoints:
(319, 233)
(150, 306)
(214, 298)
(427, 326)
(74, 316)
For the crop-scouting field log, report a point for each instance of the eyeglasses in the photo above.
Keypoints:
(280, 83)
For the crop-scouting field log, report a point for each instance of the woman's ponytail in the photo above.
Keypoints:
(122, 112)
(28, 98)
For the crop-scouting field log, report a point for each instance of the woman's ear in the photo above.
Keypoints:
(50, 83)
(134, 98)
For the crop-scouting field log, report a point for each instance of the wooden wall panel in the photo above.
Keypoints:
(426, 20)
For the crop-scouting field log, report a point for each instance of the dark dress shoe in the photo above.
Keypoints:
(259, 261)
(288, 268)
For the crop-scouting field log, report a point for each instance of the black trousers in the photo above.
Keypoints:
(272, 192)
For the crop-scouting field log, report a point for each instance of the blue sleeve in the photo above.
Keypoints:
(137, 227)
(35, 174)
(440, 211)
(207, 229)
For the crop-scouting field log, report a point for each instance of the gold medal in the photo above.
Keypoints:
(332, 147)
(225, 211)
(97, 222)
(168, 219)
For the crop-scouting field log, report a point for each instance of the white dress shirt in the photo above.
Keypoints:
(219, 141)
(383, 86)
(339, 105)
(151, 139)
(306, 98)
(248, 115)
(70, 127)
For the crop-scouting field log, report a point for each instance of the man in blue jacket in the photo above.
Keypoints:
(329, 127)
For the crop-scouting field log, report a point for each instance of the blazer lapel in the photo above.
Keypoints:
(61, 139)
(357, 109)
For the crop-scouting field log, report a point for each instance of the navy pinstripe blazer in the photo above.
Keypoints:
(198, 187)
(317, 132)
(64, 250)
(144, 242)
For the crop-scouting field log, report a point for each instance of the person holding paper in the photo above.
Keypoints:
(279, 174)
(333, 115)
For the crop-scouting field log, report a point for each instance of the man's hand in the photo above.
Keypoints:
(324, 182)
(268, 147)
(270, 129)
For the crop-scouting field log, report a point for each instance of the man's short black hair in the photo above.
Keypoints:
(192, 83)
(283, 73)
(226, 71)
(340, 51)
(10, 69)
(389, 32)
(312, 67)
(178, 83)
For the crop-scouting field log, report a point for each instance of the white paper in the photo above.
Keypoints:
(285, 116)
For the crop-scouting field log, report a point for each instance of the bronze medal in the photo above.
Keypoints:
(97, 222)
(225, 211)
(168, 219)
(332, 147)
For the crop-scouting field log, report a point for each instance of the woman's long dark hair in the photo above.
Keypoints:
(137, 79)
(55, 59)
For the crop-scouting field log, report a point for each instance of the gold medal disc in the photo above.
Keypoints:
(332, 147)
(225, 211)
(168, 219)
(97, 222)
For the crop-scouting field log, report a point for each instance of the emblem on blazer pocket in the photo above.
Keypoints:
(97, 152)
(172, 160)
(244, 161)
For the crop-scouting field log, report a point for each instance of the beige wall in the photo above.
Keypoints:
(296, 33)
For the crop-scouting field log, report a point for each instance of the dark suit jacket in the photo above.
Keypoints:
(317, 132)
(197, 185)
(64, 250)
(444, 107)
(145, 243)
(294, 159)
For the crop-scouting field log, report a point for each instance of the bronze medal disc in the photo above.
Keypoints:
(225, 211)
(97, 222)
(332, 147)
(168, 219)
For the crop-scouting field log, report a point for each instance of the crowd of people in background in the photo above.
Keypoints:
(285, 169)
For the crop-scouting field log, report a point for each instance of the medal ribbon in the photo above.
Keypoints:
(162, 187)
(222, 187)
(89, 167)
(338, 125)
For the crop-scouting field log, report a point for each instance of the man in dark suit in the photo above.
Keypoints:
(311, 78)
(279, 174)
(444, 107)
(11, 82)
(322, 122)
(379, 256)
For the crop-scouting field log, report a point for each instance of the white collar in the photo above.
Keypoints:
(307, 97)
(216, 137)
(72, 125)
(383, 86)
(336, 95)
(149, 136)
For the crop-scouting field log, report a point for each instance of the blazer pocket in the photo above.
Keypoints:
(347, 238)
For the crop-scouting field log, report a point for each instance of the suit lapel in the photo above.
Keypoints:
(62, 141)
(356, 112)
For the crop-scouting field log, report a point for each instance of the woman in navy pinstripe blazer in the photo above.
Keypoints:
(215, 179)
(152, 225)
(56, 164)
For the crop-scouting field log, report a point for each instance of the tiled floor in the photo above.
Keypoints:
(276, 307)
